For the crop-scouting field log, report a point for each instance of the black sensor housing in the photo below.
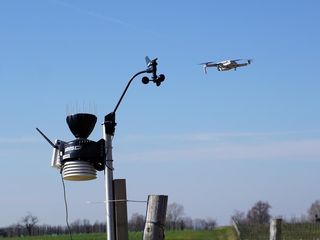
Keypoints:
(83, 149)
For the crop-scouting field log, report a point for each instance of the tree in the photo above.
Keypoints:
(186, 223)
(314, 211)
(29, 222)
(239, 217)
(76, 226)
(86, 225)
(259, 213)
(210, 224)
(199, 224)
(136, 223)
(204, 224)
(175, 212)
(294, 219)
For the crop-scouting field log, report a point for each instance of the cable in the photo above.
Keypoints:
(105, 162)
(119, 200)
(66, 206)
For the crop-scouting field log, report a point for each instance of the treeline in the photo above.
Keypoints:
(135, 224)
(175, 220)
(260, 214)
(76, 227)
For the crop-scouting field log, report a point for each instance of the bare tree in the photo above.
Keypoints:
(76, 226)
(187, 223)
(199, 224)
(86, 225)
(314, 211)
(29, 222)
(238, 217)
(296, 219)
(259, 213)
(136, 223)
(204, 224)
(175, 212)
(210, 224)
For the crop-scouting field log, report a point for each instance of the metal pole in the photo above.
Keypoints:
(109, 186)
(108, 133)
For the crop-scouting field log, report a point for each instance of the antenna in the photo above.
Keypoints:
(46, 138)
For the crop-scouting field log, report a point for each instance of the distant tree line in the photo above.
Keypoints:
(256, 223)
(79, 226)
(260, 214)
(175, 220)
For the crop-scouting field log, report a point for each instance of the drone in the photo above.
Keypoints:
(226, 65)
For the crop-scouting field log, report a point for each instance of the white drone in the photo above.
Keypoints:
(226, 65)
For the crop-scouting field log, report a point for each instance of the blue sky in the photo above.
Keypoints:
(214, 143)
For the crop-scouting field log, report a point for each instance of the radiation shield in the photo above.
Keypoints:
(78, 171)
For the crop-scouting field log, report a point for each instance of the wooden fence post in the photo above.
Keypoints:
(121, 215)
(275, 229)
(235, 226)
(156, 217)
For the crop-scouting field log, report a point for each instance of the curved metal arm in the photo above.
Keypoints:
(109, 119)
(126, 89)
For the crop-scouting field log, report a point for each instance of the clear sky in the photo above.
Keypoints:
(214, 143)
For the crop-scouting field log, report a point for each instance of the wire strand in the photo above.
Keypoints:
(66, 207)
(119, 200)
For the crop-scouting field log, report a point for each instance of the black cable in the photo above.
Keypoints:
(66, 206)
(106, 165)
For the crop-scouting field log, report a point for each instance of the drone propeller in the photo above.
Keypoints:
(239, 59)
(205, 63)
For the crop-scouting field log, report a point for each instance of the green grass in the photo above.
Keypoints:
(221, 233)
(95, 236)
(290, 231)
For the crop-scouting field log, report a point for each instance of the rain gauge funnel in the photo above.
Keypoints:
(81, 124)
(81, 158)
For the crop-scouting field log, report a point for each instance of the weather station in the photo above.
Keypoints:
(81, 158)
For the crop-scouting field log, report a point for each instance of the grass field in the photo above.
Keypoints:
(289, 231)
(221, 233)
